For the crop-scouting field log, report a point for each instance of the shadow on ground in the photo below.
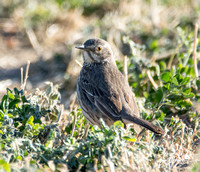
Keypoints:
(40, 71)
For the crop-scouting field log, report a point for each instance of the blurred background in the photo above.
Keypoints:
(46, 32)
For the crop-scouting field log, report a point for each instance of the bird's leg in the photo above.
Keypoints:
(86, 130)
(125, 127)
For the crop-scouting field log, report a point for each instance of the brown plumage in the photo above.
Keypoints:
(103, 91)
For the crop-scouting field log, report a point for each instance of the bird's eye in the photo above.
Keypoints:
(98, 48)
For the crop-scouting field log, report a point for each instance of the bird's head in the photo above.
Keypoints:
(96, 51)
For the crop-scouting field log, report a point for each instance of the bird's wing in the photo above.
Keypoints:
(106, 100)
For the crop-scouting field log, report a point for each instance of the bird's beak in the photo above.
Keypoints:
(82, 47)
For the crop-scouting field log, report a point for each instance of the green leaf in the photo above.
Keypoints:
(145, 94)
(24, 100)
(196, 167)
(135, 84)
(185, 103)
(3, 103)
(166, 77)
(185, 80)
(162, 65)
(119, 124)
(158, 95)
(129, 139)
(16, 91)
(2, 145)
(25, 153)
(187, 90)
(19, 158)
(167, 86)
(198, 83)
(10, 115)
(68, 129)
(154, 44)
(190, 95)
(10, 94)
(174, 81)
(4, 165)
(30, 121)
(13, 103)
(1, 115)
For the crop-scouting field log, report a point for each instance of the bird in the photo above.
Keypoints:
(102, 90)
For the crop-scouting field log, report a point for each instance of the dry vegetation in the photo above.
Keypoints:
(43, 129)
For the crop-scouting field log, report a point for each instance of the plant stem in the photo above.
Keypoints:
(152, 80)
(125, 69)
(195, 50)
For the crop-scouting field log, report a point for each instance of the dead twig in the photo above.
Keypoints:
(152, 80)
(79, 63)
(71, 107)
(22, 77)
(86, 130)
(23, 82)
(125, 69)
(173, 55)
(34, 41)
(60, 113)
(195, 50)
(165, 55)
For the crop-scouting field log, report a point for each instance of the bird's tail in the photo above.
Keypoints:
(146, 124)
